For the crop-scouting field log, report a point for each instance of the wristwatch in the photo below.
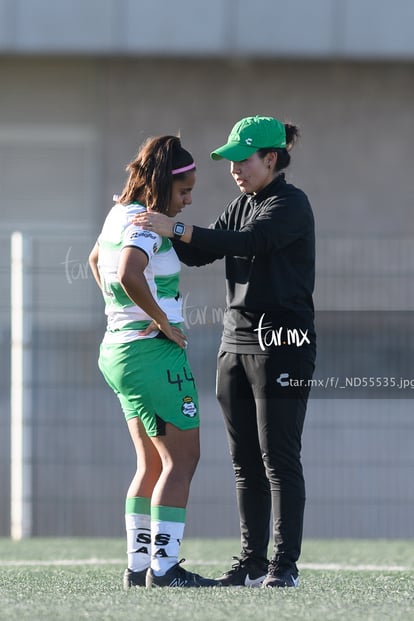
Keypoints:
(178, 230)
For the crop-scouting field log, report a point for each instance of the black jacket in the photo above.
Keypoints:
(268, 240)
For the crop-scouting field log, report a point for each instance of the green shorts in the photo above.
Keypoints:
(153, 380)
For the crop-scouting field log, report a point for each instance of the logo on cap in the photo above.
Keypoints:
(249, 141)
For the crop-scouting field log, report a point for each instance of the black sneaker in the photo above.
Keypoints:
(281, 577)
(177, 576)
(134, 578)
(244, 572)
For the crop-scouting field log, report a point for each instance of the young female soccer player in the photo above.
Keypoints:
(143, 359)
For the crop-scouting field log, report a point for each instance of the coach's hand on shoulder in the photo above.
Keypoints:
(153, 221)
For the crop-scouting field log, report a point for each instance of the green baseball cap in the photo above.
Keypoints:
(249, 135)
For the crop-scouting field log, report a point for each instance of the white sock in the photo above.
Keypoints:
(166, 536)
(138, 530)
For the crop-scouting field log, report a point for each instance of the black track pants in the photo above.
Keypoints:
(264, 420)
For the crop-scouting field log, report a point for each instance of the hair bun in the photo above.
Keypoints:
(292, 134)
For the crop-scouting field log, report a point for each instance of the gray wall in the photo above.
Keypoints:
(219, 28)
(68, 127)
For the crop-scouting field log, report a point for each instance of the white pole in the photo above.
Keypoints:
(21, 386)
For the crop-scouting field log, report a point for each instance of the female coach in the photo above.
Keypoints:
(268, 348)
(143, 359)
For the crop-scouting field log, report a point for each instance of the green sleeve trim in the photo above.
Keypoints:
(138, 504)
(166, 244)
(168, 514)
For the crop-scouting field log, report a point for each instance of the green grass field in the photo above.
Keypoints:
(74, 579)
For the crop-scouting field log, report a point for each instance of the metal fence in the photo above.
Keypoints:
(359, 428)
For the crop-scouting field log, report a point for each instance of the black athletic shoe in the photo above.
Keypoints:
(177, 576)
(281, 577)
(134, 578)
(244, 572)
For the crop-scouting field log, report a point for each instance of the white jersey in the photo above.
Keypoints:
(162, 273)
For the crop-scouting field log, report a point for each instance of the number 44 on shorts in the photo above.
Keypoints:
(179, 380)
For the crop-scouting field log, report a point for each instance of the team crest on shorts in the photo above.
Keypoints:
(188, 407)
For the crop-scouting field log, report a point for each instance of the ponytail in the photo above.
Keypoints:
(292, 135)
(283, 154)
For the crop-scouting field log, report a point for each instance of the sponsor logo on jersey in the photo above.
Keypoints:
(142, 234)
(147, 234)
(188, 407)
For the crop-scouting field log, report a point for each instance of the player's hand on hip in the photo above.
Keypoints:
(171, 332)
(152, 327)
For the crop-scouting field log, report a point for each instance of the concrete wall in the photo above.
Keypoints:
(68, 127)
(89, 116)
(219, 28)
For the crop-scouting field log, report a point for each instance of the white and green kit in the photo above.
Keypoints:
(150, 375)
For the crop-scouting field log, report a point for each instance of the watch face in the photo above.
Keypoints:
(179, 228)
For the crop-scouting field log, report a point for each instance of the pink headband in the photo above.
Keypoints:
(177, 171)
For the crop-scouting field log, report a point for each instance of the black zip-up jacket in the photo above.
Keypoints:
(268, 240)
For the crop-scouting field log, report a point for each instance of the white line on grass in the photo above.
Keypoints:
(102, 561)
(347, 567)
(61, 562)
